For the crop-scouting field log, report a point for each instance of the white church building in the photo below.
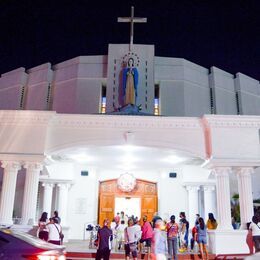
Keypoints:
(68, 142)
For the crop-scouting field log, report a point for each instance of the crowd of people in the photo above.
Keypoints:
(159, 239)
(49, 229)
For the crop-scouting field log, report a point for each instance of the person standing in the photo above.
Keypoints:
(56, 215)
(54, 229)
(42, 229)
(159, 247)
(132, 234)
(172, 229)
(202, 238)
(147, 234)
(212, 223)
(255, 227)
(104, 239)
(184, 232)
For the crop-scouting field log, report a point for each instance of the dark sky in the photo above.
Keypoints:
(225, 34)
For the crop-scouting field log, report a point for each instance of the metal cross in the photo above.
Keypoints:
(131, 20)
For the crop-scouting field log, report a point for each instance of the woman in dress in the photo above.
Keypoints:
(42, 229)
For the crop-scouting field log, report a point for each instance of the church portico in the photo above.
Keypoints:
(83, 150)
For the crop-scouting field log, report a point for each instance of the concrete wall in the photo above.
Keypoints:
(223, 90)
(11, 88)
(74, 86)
(248, 90)
(184, 87)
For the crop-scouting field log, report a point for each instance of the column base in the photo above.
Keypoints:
(65, 231)
(229, 242)
(23, 228)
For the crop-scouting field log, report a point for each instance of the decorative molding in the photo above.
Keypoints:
(230, 162)
(116, 121)
(25, 117)
(220, 121)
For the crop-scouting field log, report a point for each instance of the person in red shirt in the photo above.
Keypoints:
(194, 238)
(172, 229)
(147, 234)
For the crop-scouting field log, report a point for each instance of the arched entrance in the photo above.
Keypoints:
(144, 195)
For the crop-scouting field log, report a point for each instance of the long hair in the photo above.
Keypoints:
(211, 218)
(201, 223)
(44, 217)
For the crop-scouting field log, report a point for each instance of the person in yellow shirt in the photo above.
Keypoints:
(212, 223)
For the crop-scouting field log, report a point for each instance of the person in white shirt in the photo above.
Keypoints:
(54, 232)
(255, 227)
(120, 234)
(132, 235)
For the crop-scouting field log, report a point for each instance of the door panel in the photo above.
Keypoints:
(106, 207)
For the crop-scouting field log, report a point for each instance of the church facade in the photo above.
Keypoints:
(189, 141)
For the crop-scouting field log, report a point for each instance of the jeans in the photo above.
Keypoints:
(186, 238)
(172, 247)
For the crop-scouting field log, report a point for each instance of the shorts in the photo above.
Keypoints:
(202, 240)
(148, 242)
(128, 251)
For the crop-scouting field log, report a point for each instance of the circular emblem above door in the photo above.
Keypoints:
(126, 182)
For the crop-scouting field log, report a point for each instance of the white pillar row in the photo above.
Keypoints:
(30, 192)
(63, 190)
(245, 195)
(11, 169)
(209, 200)
(47, 197)
(193, 200)
(223, 197)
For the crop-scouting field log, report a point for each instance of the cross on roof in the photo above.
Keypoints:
(131, 20)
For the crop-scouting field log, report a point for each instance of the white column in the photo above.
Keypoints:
(47, 197)
(209, 200)
(245, 195)
(193, 197)
(223, 197)
(30, 192)
(63, 190)
(8, 191)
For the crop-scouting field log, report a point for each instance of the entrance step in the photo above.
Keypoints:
(91, 255)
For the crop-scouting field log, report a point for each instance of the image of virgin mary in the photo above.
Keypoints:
(130, 82)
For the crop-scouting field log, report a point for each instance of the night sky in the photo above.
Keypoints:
(225, 34)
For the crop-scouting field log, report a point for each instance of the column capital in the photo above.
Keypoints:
(34, 166)
(193, 188)
(244, 171)
(47, 184)
(221, 171)
(209, 188)
(64, 185)
(11, 165)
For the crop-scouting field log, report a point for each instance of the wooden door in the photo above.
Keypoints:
(149, 206)
(108, 190)
(106, 207)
